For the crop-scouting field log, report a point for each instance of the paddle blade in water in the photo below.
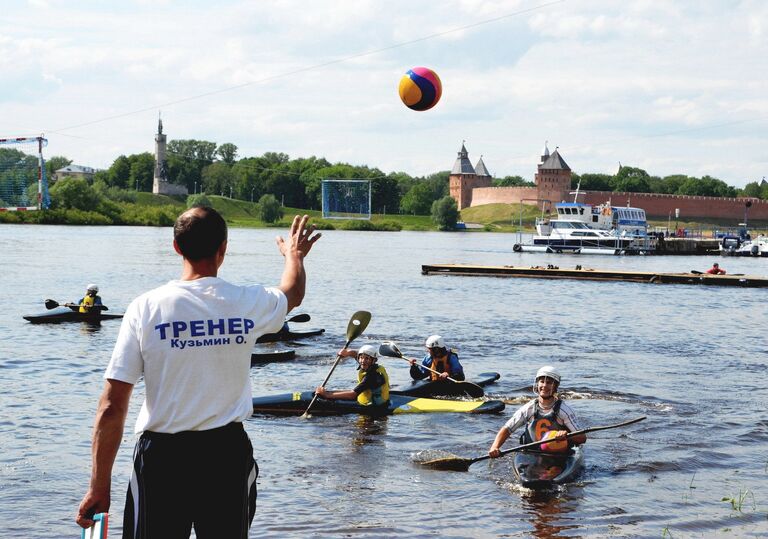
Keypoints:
(442, 460)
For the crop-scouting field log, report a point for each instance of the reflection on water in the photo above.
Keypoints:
(691, 359)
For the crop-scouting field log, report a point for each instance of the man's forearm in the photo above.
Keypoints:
(293, 281)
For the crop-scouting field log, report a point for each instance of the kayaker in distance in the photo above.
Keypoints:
(716, 270)
(543, 415)
(372, 387)
(91, 301)
(440, 358)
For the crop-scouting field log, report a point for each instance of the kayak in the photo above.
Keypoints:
(296, 403)
(543, 470)
(65, 314)
(258, 358)
(289, 335)
(443, 388)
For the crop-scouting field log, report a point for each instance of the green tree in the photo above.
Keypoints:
(269, 209)
(632, 179)
(418, 200)
(141, 171)
(752, 189)
(445, 213)
(592, 182)
(74, 193)
(227, 152)
(218, 179)
(511, 181)
(54, 163)
(118, 175)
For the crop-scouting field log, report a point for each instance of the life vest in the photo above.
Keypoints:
(441, 365)
(86, 303)
(377, 396)
(541, 423)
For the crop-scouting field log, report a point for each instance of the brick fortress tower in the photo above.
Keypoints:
(552, 179)
(464, 178)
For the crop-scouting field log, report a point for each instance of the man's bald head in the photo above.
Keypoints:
(199, 232)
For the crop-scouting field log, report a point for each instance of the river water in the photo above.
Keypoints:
(692, 359)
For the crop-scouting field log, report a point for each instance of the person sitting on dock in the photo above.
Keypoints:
(90, 302)
(543, 415)
(372, 387)
(716, 270)
(438, 358)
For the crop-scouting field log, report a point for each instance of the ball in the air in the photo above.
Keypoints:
(420, 88)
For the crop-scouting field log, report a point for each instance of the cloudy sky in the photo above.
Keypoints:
(668, 86)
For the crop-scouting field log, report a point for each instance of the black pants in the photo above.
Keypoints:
(205, 479)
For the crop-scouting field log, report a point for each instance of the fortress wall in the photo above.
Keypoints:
(502, 195)
(661, 205)
(655, 204)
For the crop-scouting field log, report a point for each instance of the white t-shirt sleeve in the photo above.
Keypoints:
(127, 364)
(520, 418)
(276, 311)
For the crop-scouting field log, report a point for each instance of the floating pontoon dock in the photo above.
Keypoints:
(588, 274)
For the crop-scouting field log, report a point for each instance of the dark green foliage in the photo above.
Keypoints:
(445, 213)
(269, 209)
(423, 192)
(512, 181)
(592, 182)
(631, 179)
(74, 193)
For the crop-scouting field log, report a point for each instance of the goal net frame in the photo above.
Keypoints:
(23, 144)
(346, 199)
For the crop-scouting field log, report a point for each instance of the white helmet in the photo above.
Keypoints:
(93, 287)
(549, 371)
(368, 350)
(435, 341)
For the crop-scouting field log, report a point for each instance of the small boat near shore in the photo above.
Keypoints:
(65, 314)
(545, 470)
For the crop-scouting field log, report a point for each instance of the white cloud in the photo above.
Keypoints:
(642, 82)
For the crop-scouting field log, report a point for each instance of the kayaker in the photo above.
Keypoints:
(372, 387)
(544, 414)
(716, 270)
(91, 301)
(191, 341)
(440, 358)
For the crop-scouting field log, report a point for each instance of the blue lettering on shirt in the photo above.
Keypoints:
(178, 331)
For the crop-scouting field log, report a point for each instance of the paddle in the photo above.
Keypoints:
(356, 326)
(390, 349)
(460, 464)
(51, 304)
(304, 317)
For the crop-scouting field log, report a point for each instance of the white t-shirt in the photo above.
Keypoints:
(192, 342)
(566, 416)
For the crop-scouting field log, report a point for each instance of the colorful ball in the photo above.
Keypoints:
(420, 88)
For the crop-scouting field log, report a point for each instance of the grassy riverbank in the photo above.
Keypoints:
(146, 209)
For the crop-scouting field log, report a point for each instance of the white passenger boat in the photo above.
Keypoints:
(586, 229)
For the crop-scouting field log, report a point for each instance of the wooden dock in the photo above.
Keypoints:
(589, 274)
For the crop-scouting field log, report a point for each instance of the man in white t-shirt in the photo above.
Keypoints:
(191, 341)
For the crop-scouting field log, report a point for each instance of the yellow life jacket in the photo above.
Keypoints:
(86, 303)
(377, 396)
(441, 365)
